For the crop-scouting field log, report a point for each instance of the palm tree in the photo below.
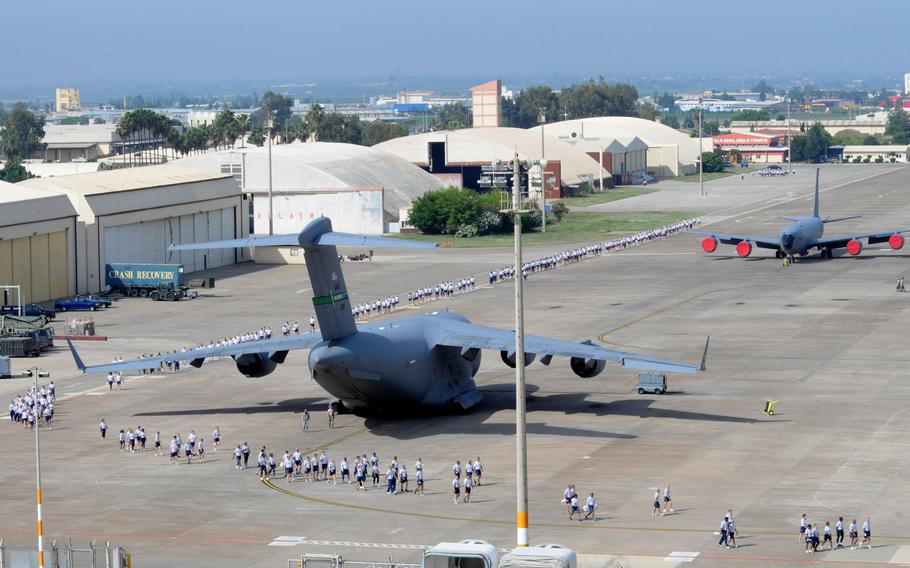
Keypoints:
(243, 125)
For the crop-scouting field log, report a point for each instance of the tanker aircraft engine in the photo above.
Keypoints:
(801, 236)
(428, 360)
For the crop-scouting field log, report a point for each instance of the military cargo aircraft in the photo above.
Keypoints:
(803, 235)
(427, 360)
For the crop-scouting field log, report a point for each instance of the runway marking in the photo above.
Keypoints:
(680, 557)
(602, 336)
(656, 253)
(287, 541)
(302, 291)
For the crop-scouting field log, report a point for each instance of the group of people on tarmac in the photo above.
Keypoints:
(134, 440)
(376, 307)
(36, 405)
(445, 289)
(809, 534)
(573, 509)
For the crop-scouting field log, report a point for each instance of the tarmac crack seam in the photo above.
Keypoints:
(602, 336)
(475, 520)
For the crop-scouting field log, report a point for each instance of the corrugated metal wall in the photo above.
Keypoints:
(148, 241)
(40, 264)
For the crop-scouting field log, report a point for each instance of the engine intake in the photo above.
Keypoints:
(586, 368)
(744, 248)
(709, 244)
(896, 241)
(255, 364)
(510, 359)
(854, 247)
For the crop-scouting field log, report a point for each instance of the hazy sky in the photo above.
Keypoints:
(169, 41)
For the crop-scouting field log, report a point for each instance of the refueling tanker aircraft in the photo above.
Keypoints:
(803, 235)
(427, 360)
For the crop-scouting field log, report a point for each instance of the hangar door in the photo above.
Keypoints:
(40, 264)
(148, 241)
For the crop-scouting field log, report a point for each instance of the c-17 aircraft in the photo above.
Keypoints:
(427, 360)
(803, 235)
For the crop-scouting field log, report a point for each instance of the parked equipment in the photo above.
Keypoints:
(14, 346)
(142, 280)
(36, 327)
(656, 384)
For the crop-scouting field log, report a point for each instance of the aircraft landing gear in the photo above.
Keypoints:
(779, 254)
(826, 253)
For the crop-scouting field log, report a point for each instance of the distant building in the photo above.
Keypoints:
(486, 104)
(907, 83)
(68, 99)
(877, 154)
(718, 105)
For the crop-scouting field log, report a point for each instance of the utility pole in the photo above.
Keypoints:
(542, 119)
(271, 225)
(701, 150)
(38, 473)
(521, 435)
(789, 141)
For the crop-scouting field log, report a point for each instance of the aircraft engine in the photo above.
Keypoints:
(255, 364)
(472, 355)
(855, 247)
(510, 359)
(896, 241)
(709, 244)
(743, 248)
(586, 368)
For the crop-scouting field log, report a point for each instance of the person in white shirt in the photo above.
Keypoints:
(478, 470)
(468, 485)
(839, 530)
(216, 439)
(853, 535)
(591, 508)
(668, 501)
(656, 509)
(867, 534)
(419, 482)
(828, 536)
(456, 489)
(573, 508)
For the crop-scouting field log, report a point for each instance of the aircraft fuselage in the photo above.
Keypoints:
(396, 363)
(799, 237)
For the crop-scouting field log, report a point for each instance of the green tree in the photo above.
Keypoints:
(798, 148)
(712, 162)
(225, 128)
(312, 121)
(14, 171)
(670, 119)
(452, 117)
(749, 115)
(22, 133)
(443, 211)
(817, 142)
(523, 111)
(898, 126)
(379, 131)
(599, 99)
(870, 140)
(275, 105)
(648, 111)
(849, 137)
(763, 89)
(336, 127)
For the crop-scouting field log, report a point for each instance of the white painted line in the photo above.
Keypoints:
(93, 393)
(585, 457)
(301, 291)
(287, 541)
(396, 531)
(680, 557)
(283, 543)
(366, 544)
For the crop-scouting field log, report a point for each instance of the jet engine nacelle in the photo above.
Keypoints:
(510, 359)
(709, 244)
(255, 364)
(743, 248)
(896, 241)
(586, 368)
(854, 247)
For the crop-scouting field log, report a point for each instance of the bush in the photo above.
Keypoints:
(712, 162)
(559, 210)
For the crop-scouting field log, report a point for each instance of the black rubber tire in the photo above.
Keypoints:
(133, 293)
(155, 296)
(171, 297)
(143, 293)
(93, 308)
(641, 391)
(62, 308)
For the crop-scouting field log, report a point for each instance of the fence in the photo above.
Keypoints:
(65, 556)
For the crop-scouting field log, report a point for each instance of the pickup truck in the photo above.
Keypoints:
(28, 310)
(77, 304)
(103, 302)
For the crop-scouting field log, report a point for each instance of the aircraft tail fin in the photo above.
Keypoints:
(330, 296)
(815, 208)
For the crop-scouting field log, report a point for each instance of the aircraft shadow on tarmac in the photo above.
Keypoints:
(295, 405)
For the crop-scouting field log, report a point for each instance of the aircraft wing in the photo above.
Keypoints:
(468, 335)
(198, 356)
(730, 239)
(874, 238)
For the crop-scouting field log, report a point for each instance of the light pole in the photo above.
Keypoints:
(38, 473)
(271, 124)
(701, 151)
(521, 435)
(789, 141)
(542, 119)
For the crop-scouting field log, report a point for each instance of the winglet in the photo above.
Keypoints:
(79, 364)
(704, 357)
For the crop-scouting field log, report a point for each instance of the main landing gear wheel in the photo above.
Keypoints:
(826, 253)
(779, 254)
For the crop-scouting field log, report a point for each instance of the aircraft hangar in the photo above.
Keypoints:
(131, 215)
(37, 242)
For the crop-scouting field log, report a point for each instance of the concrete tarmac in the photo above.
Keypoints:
(823, 337)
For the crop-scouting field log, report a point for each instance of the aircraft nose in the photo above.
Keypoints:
(787, 240)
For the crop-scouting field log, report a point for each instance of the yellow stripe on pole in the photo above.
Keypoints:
(522, 519)
(40, 528)
(40, 558)
(39, 496)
